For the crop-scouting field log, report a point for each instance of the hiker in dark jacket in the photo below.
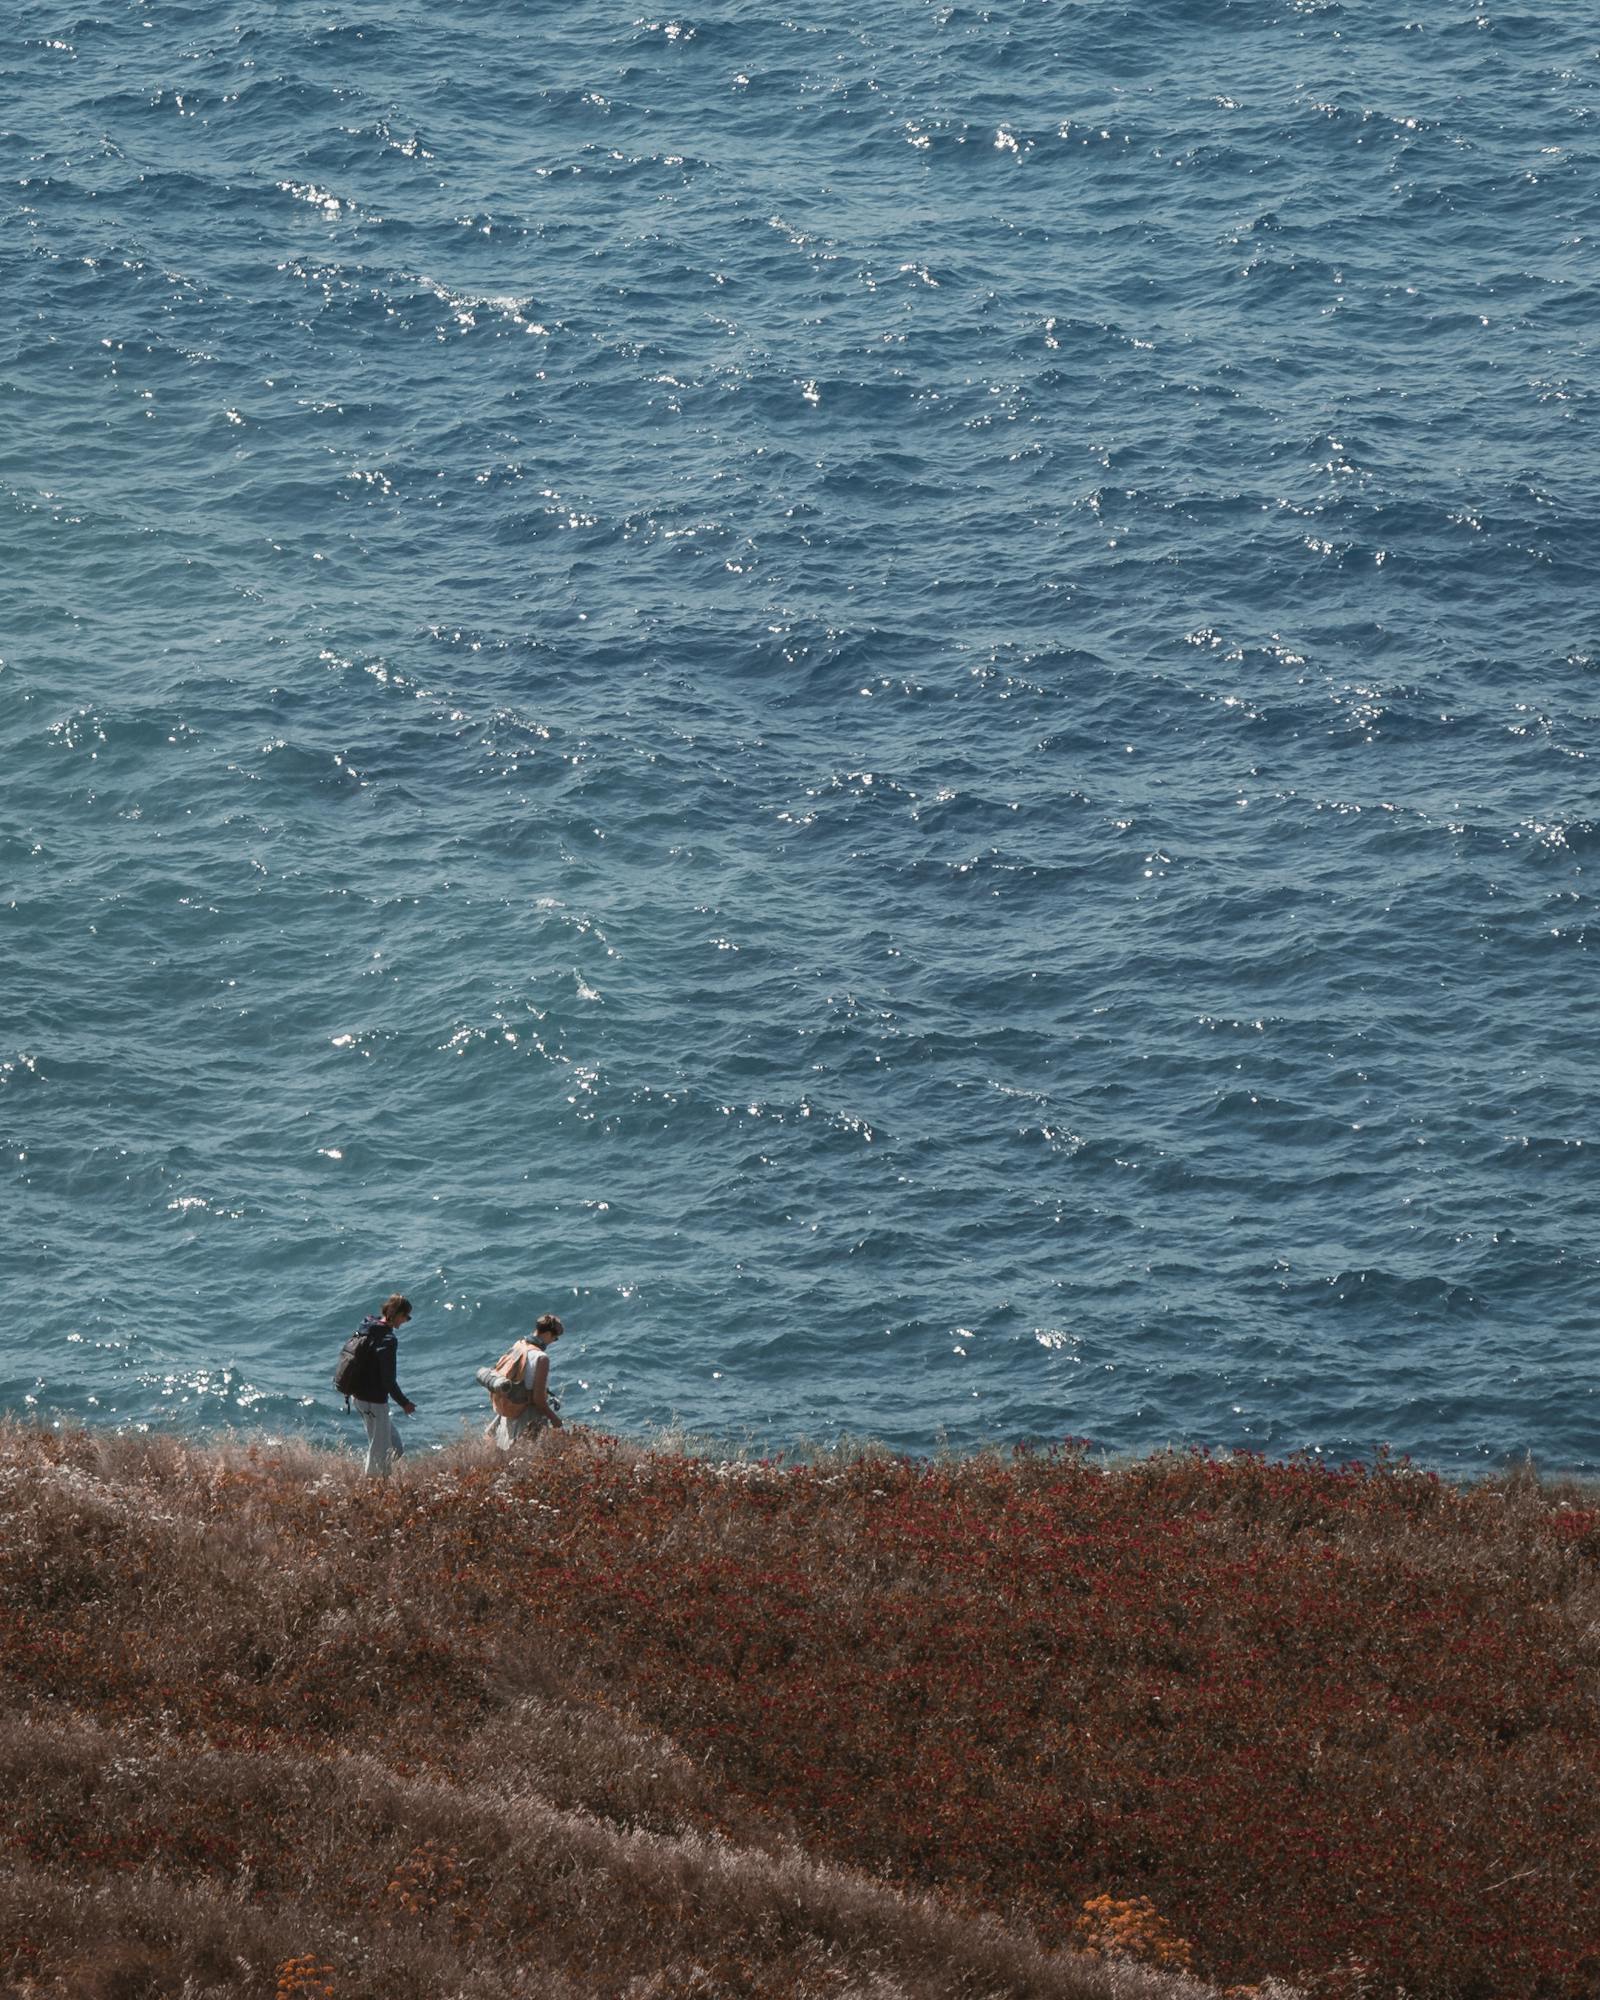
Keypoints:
(383, 1440)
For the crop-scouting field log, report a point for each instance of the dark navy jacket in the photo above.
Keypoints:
(385, 1346)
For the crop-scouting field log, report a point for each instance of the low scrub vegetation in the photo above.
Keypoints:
(603, 1720)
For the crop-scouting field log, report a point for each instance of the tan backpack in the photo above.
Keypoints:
(509, 1391)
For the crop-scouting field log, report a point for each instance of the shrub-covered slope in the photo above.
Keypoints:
(609, 1721)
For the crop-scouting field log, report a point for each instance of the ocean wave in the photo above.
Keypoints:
(831, 691)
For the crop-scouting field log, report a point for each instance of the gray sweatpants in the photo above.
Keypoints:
(383, 1440)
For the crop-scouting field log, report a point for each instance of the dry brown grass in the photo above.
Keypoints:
(605, 1721)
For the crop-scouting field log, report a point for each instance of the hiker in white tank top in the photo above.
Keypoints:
(527, 1407)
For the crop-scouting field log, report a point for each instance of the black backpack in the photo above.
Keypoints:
(358, 1371)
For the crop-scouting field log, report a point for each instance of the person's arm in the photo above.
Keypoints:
(538, 1383)
(391, 1386)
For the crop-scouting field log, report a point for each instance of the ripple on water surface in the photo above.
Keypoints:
(902, 710)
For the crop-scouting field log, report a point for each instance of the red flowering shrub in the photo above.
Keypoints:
(980, 1726)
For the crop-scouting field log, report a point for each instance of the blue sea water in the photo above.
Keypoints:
(901, 704)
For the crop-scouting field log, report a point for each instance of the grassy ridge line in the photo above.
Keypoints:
(251, 1746)
(609, 1720)
(489, 1895)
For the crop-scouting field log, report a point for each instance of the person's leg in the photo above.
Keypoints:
(527, 1426)
(381, 1439)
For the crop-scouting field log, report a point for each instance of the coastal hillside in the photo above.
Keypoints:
(608, 1720)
